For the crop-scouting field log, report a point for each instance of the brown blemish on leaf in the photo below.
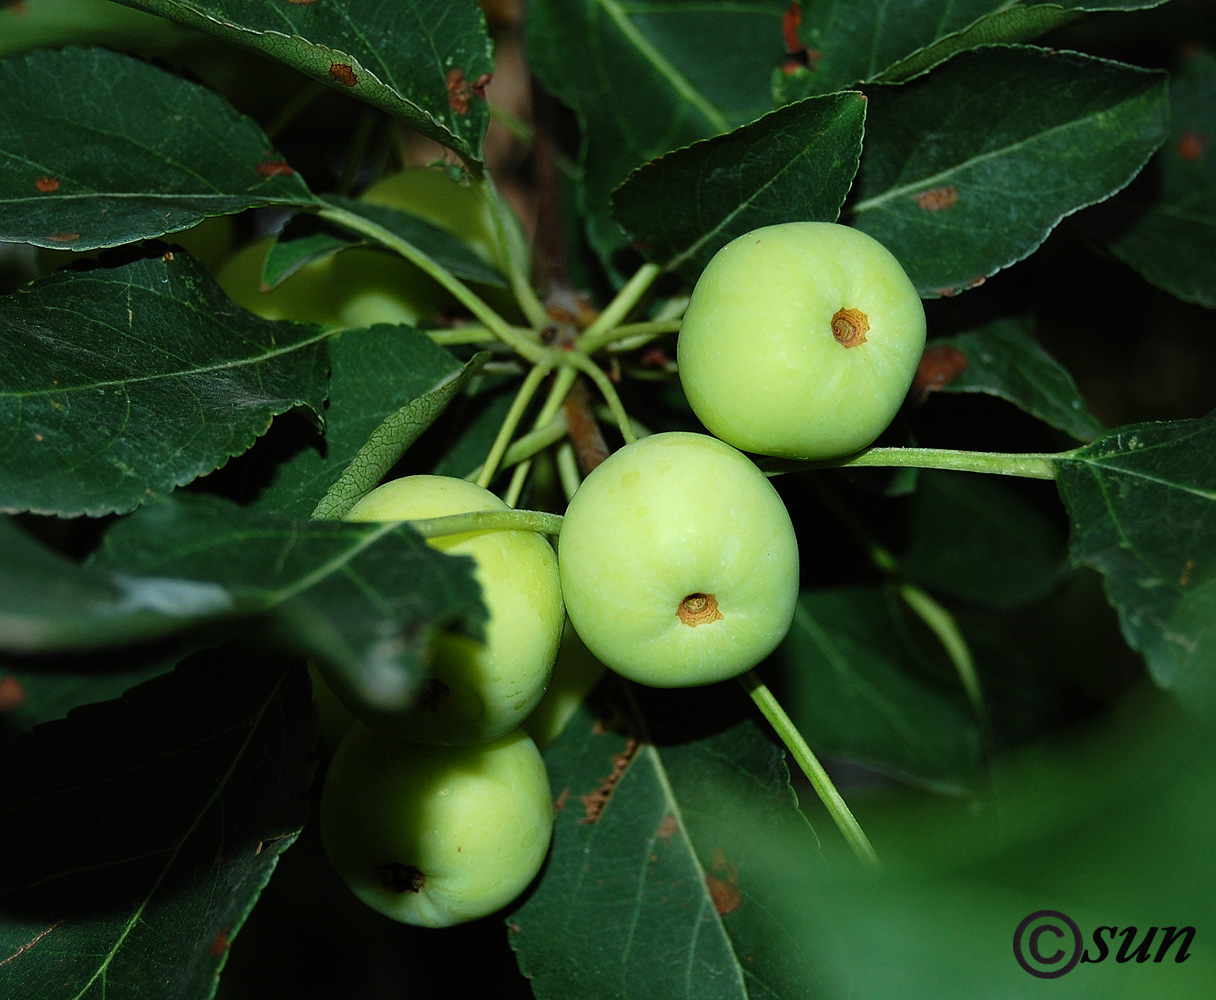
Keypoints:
(976, 282)
(47, 184)
(396, 877)
(12, 692)
(594, 802)
(219, 943)
(946, 293)
(560, 802)
(849, 327)
(38, 437)
(939, 366)
(458, 91)
(699, 609)
(1183, 581)
(18, 7)
(167, 256)
(937, 199)
(343, 74)
(480, 84)
(1191, 146)
(65, 237)
(274, 168)
(668, 827)
(790, 21)
(726, 897)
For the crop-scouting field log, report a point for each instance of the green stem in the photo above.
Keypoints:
(527, 445)
(563, 381)
(603, 330)
(629, 336)
(521, 343)
(518, 266)
(607, 390)
(805, 757)
(489, 520)
(514, 415)
(567, 469)
(462, 335)
(1030, 465)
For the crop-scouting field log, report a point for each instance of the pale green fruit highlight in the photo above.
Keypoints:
(306, 296)
(435, 836)
(800, 340)
(679, 562)
(476, 693)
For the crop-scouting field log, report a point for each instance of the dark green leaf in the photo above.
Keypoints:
(645, 80)
(29, 698)
(35, 24)
(860, 685)
(438, 244)
(651, 878)
(1003, 359)
(365, 598)
(48, 602)
(1172, 241)
(120, 384)
(388, 384)
(147, 154)
(302, 241)
(137, 834)
(969, 167)
(419, 60)
(852, 41)
(1143, 505)
(972, 538)
(796, 163)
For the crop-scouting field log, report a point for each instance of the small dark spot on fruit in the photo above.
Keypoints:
(396, 877)
(434, 693)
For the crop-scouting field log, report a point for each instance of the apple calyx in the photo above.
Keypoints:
(397, 877)
(849, 327)
(698, 609)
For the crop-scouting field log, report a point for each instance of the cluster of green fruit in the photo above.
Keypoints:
(677, 561)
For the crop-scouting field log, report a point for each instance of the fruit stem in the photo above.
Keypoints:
(607, 390)
(603, 330)
(563, 381)
(489, 520)
(805, 757)
(527, 445)
(1030, 465)
(511, 422)
(630, 336)
(522, 344)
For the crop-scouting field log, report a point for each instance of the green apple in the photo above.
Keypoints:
(678, 560)
(800, 340)
(373, 286)
(435, 836)
(306, 296)
(476, 692)
(460, 209)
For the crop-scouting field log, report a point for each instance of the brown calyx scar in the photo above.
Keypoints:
(698, 609)
(849, 327)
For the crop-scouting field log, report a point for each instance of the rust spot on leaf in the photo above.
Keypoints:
(47, 184)
(18, 7)
(726, 897)
(937, 199)
(480, 84)
(668, 827)
(219, 943)
(790, 22)
(458, 91)
(12, 693)
(594, 802)
(560, 802)
(939, 366)
(1191, 146)
(976, 282)
(343, 74)
(274, 168)
(1183, 581)
(65, 237)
